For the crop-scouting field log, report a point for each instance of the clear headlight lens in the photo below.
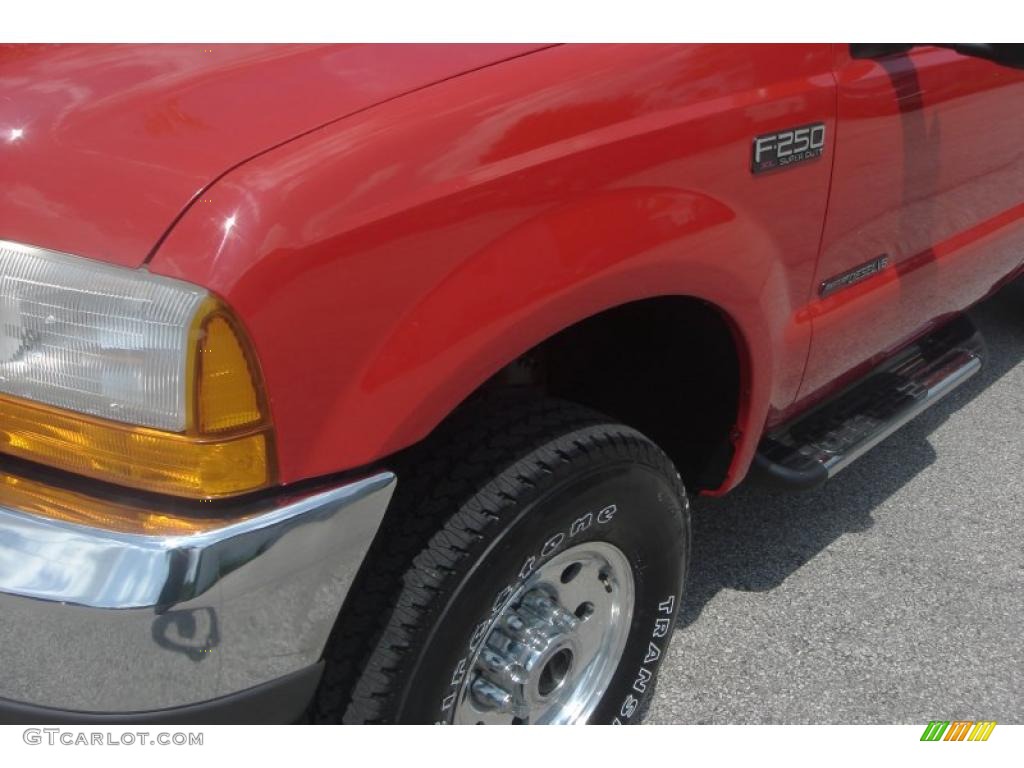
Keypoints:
(128, 377)
(93, 338)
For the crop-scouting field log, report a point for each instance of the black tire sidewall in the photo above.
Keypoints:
(628, 504)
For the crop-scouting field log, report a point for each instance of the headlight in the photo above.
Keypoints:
(128, 377)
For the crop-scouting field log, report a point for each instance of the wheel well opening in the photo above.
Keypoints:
(667, 366)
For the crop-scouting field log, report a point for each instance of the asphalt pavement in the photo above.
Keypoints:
(893, 594)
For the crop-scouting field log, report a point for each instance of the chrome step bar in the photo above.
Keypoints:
(818, 445)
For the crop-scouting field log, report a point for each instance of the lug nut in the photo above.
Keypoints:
(515, 624)
(500, 642)
(539, 604)
(499, 667)
(542, 606)
(564, 620)
(490, 696)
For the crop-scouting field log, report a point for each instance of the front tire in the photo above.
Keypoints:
(549, 590)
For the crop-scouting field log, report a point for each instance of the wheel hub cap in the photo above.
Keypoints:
(550, 652)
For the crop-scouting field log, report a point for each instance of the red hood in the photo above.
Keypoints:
(101, 147)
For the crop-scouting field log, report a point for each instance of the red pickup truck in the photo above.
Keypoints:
(368, 383)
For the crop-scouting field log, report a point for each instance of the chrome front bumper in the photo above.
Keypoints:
(96, 621)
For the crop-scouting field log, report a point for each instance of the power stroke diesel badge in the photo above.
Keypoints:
(785, 148)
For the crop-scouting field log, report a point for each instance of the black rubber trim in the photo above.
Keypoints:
(279, 701)
(767, 473)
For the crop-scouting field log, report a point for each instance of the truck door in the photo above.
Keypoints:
(926, 211)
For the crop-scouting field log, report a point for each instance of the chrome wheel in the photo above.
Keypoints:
(552, 648)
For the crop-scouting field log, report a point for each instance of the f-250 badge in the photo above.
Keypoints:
(785, 148)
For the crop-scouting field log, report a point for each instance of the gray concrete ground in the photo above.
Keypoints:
(894, 594)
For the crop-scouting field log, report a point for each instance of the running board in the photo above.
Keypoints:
(805, 453)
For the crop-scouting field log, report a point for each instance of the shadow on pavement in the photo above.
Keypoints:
(753, 539)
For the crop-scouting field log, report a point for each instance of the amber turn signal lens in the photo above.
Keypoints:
(225, 449)
(227, 393)
(137, 457)
(45, 500)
